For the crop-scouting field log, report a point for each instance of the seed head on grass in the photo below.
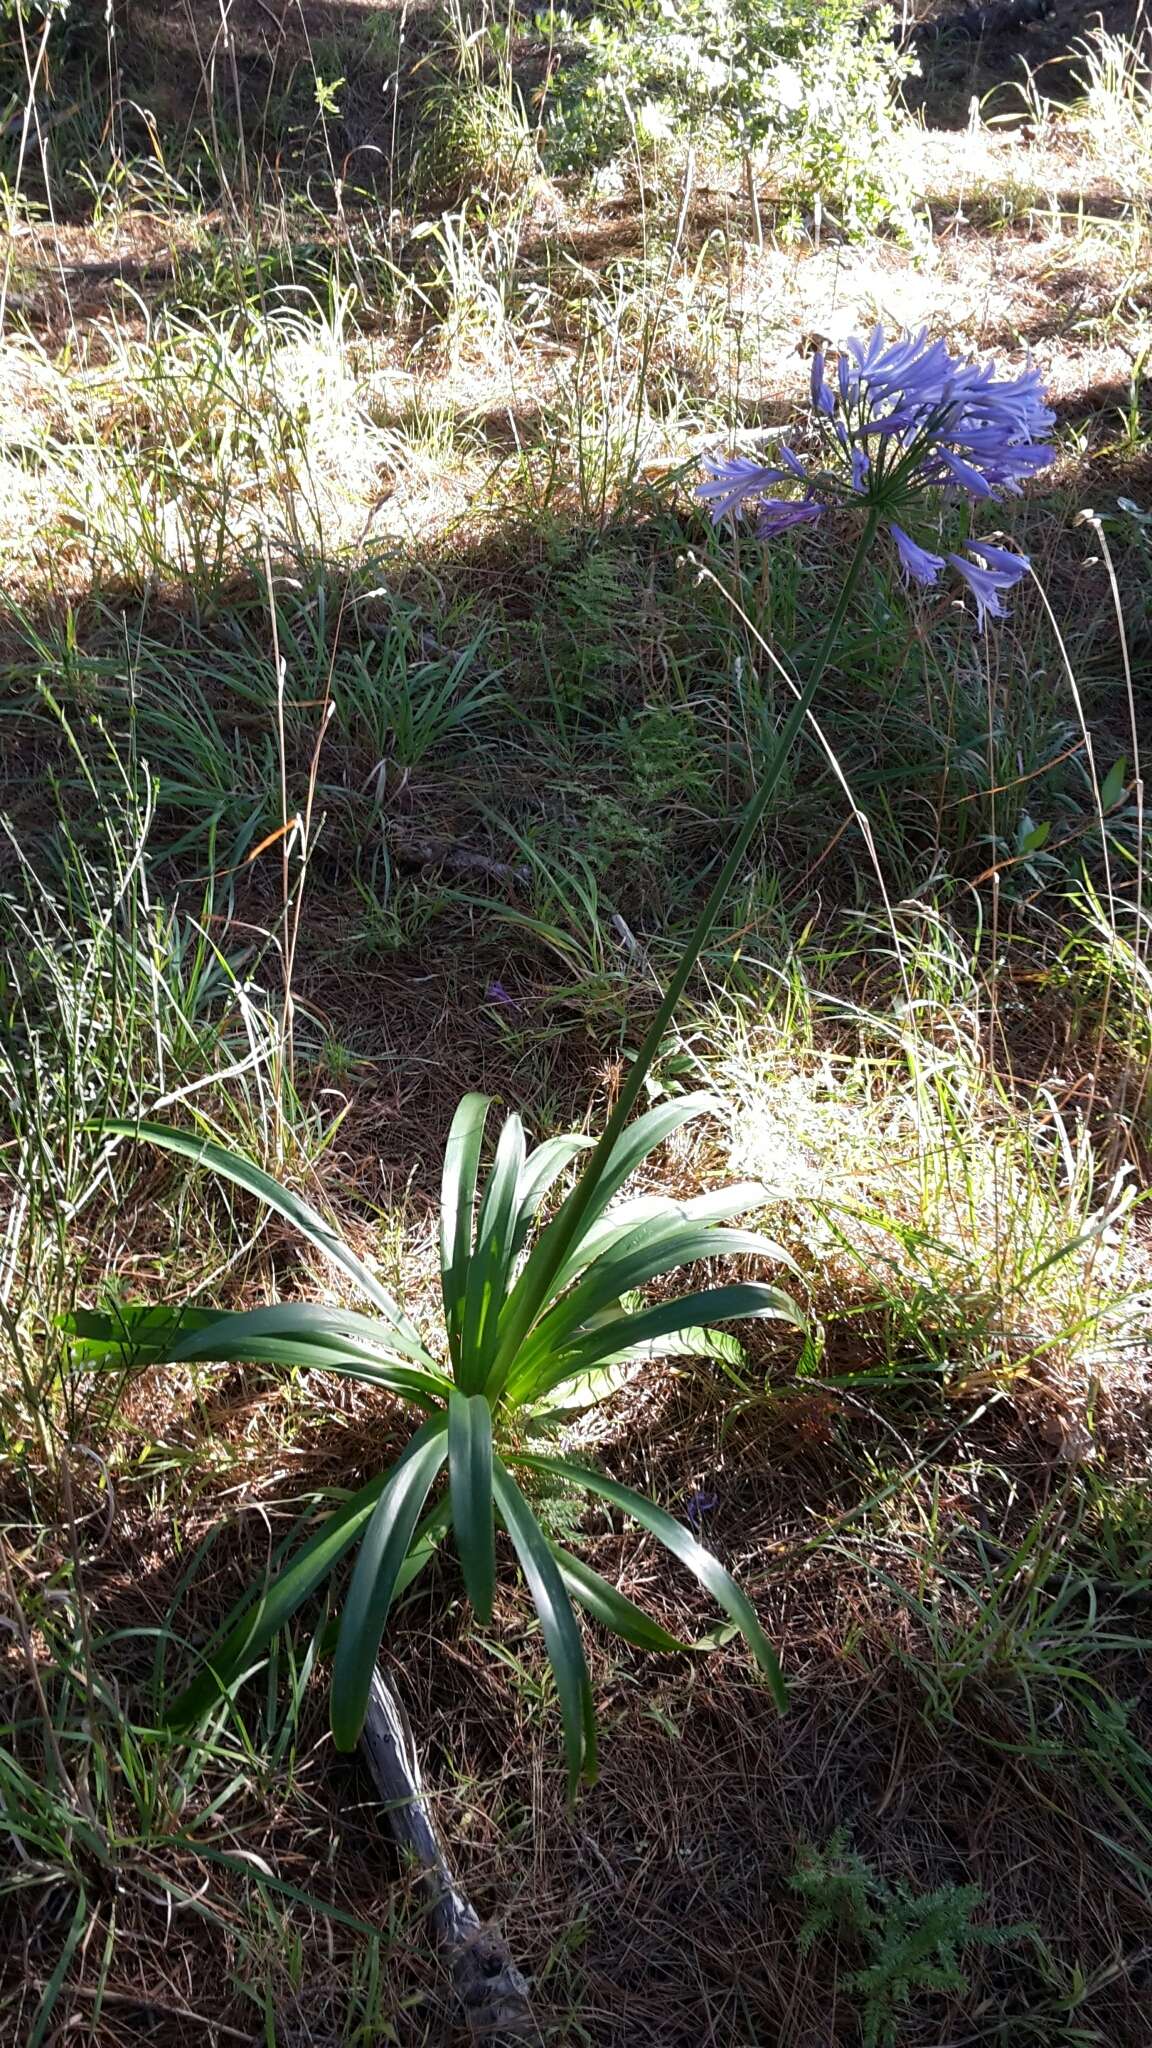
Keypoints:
(903, 418)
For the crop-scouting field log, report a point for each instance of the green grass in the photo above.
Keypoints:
(378, 708)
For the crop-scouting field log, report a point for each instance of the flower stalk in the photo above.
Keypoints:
(564, 1230)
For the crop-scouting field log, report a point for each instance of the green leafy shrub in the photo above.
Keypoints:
(810, 83)
(531, 1336)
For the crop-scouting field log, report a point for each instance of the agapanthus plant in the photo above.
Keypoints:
(539, 1324)
(896, 421)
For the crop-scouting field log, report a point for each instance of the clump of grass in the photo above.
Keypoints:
(965, 1214)
(1116, 109)
(479, 143)
(110, 998)
(188, 447)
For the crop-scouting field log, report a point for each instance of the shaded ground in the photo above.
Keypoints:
(983, 53)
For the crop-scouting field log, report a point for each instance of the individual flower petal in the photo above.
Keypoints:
(823, 396)
(778, 514)
(918, 564)
(1008, 564)
(965, 474)
(986, 586)
(861, 465)
(792, 463)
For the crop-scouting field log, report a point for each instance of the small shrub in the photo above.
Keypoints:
(808, 83)
(913, 1940)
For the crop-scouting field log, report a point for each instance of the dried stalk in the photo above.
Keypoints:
(490, 1988)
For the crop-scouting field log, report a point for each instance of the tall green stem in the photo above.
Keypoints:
(564, 1229)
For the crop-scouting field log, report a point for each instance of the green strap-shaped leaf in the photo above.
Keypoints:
(405, 1380)
(424, 1545)
(286, 1334)
(385, 1546)
(130, 1335)
(489, 1267)
(720, 1205)
(652, 1248)
(638, 1139)
(560, 1626)
(258, 1620)
(302, 1334)
(541, 1170)
(538, 1280)
(204, 1152)
(304, 1323)
(628, 1333)
(457, 1200)
(571, 1396)
(421, 1551)
(676, 1538)
(605, 1603)
(470, 1484)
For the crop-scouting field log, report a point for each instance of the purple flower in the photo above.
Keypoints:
(1002, 572)
(918, 565)
(1009, 564)
(729, 483)
(903, 417)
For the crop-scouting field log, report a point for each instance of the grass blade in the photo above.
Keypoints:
(55, 1982)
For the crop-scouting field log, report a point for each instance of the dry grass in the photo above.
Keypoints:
(660, 1909)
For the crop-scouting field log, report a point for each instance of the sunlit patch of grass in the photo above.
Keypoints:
(190, 446)
(959, 1217)
(1116, 108)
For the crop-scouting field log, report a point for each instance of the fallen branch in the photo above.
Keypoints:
(490, 1988)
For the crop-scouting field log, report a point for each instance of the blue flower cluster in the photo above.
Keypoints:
(900, 418)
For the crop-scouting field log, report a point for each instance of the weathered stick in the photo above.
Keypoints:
(490, 1988)
(448, 853)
